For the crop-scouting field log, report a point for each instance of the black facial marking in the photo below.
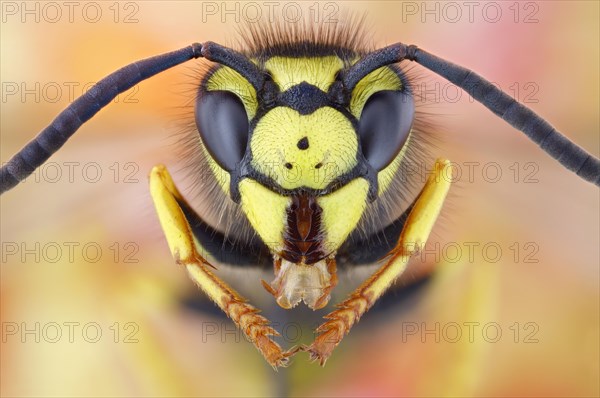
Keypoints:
(304, 98)
(303, 144)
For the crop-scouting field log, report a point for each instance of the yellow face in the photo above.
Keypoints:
(304, 151)
(307, 148)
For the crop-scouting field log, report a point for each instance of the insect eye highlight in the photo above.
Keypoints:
(384, 126)
(222, 122)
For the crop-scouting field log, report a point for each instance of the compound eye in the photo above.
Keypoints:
(223, 125)
(384, 125)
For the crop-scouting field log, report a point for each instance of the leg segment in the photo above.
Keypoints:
(414, 235)
(181, 243)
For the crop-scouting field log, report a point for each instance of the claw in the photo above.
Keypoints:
(415, 233)
(181, 242)
(295, 282)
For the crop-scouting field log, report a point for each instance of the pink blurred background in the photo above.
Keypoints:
(542, 293)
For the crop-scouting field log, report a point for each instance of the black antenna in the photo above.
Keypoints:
(36, 152)
(517, 115)
(49, 140)
(236, 61)
(372, 61)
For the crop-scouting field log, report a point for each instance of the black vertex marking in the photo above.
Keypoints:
(304, 98)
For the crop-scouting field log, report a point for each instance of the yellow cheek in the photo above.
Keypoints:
(332, 147)
(222, 177)
(386, 176)
(342, 210)
(266, 211)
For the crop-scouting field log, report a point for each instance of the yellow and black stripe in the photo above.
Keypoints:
(302, 138)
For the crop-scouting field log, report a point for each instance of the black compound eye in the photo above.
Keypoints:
(384, 125)
(223, 125)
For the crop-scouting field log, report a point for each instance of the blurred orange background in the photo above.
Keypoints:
(89, 294)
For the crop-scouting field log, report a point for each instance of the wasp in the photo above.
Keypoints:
(304, 134)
